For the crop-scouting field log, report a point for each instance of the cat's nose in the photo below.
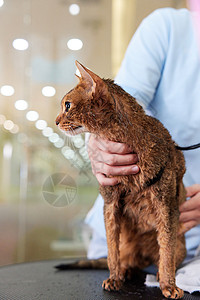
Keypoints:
(57, 120)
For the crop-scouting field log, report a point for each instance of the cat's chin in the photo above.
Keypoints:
(76, 131)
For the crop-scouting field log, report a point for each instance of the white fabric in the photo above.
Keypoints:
(187, 277)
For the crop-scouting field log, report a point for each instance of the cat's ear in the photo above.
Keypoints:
(79, 77)
(86, 76)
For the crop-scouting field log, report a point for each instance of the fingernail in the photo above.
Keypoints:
(135, 168)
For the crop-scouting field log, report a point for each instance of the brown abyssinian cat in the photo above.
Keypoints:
(141, 213)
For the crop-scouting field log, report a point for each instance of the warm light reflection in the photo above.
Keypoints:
(74, 9)
(68, 152)
(15, 129)
(54, 138)
(1, 3)
(32, 115)
(7, 151)
(7, 90)
(48, 91)
(60, 143)
(20, 44)
(8, 124)
(48, 131)
(78, 141)
(74, 44)
(21, 105)
(41, 124)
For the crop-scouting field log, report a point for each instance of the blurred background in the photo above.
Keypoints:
(46, 184)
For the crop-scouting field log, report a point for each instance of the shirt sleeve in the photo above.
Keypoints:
(141, 69)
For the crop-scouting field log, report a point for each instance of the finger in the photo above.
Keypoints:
(190, 215)
(188, 225)
(97, 167)
(192, 190)
(92, 141)
(113, 147)
(103, 180)
(92, 147)
(191, 204)
(115, 159)
(184, 217)
(115, 170)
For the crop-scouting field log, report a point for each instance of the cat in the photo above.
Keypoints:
(141, 213)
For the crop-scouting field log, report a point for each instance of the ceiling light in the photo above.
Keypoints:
(74, 9)
(48, 131)
(8, 124)
(1, 3)
(21, 105)
(48, 91)
(20, 44)
(32, 115)
(41, 124)
(7, 90)
(75, 44)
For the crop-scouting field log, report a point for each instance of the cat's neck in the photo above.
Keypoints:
(124, 124)
(124, 102)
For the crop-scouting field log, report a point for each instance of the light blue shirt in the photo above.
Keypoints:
(161, 69)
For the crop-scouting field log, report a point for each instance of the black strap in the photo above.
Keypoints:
(188, 148)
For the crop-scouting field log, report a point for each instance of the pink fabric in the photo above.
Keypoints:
(195, 9)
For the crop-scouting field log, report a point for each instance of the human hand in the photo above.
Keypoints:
(110, 159)
(190, 210)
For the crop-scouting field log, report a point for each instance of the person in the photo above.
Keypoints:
(161, 69)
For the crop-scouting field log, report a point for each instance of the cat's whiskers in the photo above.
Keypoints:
(72, 130)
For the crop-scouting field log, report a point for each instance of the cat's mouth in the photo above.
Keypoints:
(71, 131)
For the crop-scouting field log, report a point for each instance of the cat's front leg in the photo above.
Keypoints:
(167, 240)
(112, 217)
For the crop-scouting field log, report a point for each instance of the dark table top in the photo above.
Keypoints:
(40, 280)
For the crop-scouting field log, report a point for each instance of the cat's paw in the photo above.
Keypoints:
(173, 292)
(112, 284)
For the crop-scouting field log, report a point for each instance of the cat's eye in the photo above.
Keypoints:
(67, 106)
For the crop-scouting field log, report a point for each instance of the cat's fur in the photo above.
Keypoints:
(141, 212)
